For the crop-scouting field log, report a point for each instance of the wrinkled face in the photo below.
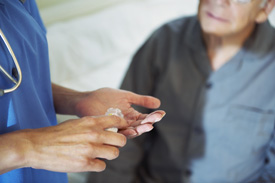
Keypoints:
(225, 17)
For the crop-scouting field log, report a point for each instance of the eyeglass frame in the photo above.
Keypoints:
(263, 4)
(17, 83)
(241, 1)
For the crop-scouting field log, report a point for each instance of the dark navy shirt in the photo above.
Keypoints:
(219, 126)
(31, 105)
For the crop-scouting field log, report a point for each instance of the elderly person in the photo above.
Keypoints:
(214, 75)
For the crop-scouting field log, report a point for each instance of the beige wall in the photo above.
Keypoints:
(47, 3)
(61, 10)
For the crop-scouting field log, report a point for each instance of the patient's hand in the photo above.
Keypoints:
(143, 124)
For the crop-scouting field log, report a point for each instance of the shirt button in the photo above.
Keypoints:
(266, 161)
(188, 172)
(208, 85)
(198, 130)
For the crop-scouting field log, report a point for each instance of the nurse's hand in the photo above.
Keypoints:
(73, 146)
(97, 103)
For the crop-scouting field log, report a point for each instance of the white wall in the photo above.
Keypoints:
(54, 11)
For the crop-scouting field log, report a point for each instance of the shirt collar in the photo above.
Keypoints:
(255, 47)
(193, 40)
(259, 43)
(194, 36)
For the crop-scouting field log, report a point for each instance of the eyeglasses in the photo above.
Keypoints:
(16, 83)
(241, 1)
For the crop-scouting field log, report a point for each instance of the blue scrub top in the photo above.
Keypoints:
(31, 105)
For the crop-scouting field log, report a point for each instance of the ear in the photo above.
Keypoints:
(265, 11)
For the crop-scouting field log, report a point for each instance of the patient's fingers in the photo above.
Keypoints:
(143, 124)
(134, 132)
(153, 117)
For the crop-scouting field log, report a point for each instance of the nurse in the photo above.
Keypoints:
(33, 148)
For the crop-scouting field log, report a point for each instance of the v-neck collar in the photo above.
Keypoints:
(258, 44)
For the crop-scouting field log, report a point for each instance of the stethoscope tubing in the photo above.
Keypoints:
(17, 83)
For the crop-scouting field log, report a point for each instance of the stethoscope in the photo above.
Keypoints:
(17, 83)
